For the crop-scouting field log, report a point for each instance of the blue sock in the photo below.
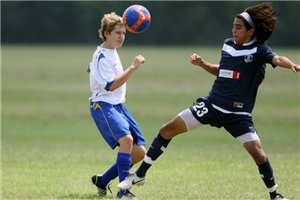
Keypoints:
(123, 164)
(157, 147)
(266, 173)
(109, 175)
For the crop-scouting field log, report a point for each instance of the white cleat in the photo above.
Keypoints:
(130, 180)
(279, 197)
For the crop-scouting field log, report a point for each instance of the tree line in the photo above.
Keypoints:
(172, 22)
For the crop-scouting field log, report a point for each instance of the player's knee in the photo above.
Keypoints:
(260, 158)
(164, 131)
(126, 141)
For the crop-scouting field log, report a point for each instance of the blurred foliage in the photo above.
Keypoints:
(173, 22)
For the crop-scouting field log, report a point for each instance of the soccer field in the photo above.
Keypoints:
(50, 146)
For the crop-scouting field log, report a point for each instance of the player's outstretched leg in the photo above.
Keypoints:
(158, 146)
(264, 166)
(130, 180)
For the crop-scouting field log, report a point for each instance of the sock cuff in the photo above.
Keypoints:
(272, 189)
(148, 160)
(266, 164)
(124, 158)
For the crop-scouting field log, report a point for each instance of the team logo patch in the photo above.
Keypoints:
(238, 104)
(229, 74)
(248, 58)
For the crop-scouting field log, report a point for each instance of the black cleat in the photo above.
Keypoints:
(96, 180)
(126, 195)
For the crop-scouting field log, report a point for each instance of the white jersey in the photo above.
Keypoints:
(105, 66)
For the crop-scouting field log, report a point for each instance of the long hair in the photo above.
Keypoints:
(265, 22)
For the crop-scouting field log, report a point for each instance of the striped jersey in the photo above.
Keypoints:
(242, 69)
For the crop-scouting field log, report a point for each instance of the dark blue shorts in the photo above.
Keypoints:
(114, 122)
(235, 124)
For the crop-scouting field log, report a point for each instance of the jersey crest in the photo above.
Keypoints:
(248, 58)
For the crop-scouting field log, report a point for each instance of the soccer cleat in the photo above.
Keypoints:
(96, 180)
(279, 197)
(130, 180)
(126, 195)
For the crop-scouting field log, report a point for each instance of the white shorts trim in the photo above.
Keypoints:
(229, 112)
(189, 119)
(248, 137)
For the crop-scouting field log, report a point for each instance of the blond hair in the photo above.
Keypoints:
(108, 23)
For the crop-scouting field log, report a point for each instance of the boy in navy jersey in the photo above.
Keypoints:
(115, 123)
(232, 97)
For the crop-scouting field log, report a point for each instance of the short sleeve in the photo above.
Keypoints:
(105, 69)
(267, 55)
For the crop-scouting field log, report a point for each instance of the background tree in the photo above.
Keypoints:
(173, 22)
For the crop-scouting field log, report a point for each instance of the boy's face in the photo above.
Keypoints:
(115, 38)
(240, 34)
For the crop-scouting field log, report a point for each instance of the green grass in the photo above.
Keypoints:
(50, 145)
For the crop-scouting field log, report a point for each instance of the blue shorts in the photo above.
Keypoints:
(114, 122)
(235, 124)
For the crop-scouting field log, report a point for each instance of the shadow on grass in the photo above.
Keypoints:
(86, 196)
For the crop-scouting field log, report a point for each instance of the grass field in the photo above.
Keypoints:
(50, 145)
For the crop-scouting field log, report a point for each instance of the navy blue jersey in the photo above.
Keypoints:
(242, 69)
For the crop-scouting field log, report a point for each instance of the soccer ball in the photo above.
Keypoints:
(136, 18)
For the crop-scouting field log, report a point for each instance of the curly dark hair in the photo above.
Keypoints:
(262, 17)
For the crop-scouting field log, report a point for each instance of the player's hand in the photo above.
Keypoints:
(196, 60)
(138, 61)
(296, 68)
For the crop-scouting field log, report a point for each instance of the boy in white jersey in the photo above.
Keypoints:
(232, 97)
(115, 123)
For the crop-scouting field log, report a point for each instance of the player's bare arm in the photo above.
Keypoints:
(284, 62)
(198, 61)
(122, 78)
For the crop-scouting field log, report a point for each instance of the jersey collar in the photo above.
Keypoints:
(249, 43)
